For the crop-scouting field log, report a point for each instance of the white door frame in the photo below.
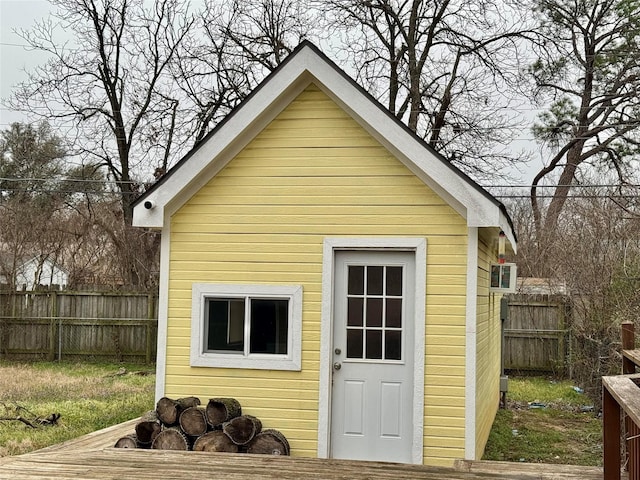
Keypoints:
(407, 244)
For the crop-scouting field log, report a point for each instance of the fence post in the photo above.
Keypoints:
(150, 316)
(53, 331)
(628, 343)
(4, 314)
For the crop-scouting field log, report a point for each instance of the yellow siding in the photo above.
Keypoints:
(488, 339)
(314, 173)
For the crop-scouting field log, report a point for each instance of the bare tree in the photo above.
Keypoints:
(590, 74)
(112, 83)
(236, 46)
(264, 33)
(440, 67)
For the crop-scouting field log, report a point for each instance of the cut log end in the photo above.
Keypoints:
(147, 431)
(168, 410)
(216, 441)
(171, 439)
(242, 429)
(221, 410)
(269, 442)
(129, 441)
(193, 421)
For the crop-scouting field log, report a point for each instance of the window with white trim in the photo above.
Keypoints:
(246, 326)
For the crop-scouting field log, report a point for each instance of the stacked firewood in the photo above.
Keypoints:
(183, 424)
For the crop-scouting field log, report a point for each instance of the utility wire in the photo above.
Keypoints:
(78, 180)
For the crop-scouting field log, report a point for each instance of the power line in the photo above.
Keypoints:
(490, 186)
(78, 180)
(603, 196)
(568, 186)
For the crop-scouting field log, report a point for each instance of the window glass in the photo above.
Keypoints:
(356, 280)
(374, 312)
(355, 308)
(393, 345)
(374, 280)
(269, 327)
(225, 327)
(267, 324)
(374, 344)
(394, 281)
(394, 313)
(354, 343)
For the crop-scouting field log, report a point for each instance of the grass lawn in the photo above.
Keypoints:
(545, 423)
(87, 396)
(91, 396)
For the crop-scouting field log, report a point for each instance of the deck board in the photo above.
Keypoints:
(92, 457)
(541, 471)
(127, 463)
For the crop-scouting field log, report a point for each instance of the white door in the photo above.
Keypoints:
(372, 393)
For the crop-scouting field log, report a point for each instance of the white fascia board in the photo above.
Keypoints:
(505, 226)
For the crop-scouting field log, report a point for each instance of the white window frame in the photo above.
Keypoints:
(201, 292)
(513, 275)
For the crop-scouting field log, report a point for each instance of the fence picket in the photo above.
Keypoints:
(536, 333)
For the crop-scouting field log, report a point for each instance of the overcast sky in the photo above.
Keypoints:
(14, 57)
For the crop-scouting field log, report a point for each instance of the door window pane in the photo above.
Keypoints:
(374, 344)
(354, 343)
(394, 313)
(356, 280)
(393, 345)
(394, 281)
(355, 312)
(374, 280)
(374, 312)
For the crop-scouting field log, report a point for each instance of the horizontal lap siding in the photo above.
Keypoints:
(488, 350)
(314, 173)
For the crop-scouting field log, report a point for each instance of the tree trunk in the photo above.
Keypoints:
(269, 442)
(169, 410)
(171, 439)
(241, 430)
(193, 421)
(221, 410)
(216, 441)
(129, 441)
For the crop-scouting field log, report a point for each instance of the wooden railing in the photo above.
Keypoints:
(621, 407)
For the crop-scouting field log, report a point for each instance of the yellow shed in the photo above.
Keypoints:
(324, 266)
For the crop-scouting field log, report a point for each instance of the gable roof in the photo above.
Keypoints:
(306, 65)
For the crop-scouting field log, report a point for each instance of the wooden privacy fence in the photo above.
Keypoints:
(57, 325)
(536, 334)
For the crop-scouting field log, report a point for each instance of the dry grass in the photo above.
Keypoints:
(560, 432)
(87, 396)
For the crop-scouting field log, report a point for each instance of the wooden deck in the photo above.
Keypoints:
(91, 457)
